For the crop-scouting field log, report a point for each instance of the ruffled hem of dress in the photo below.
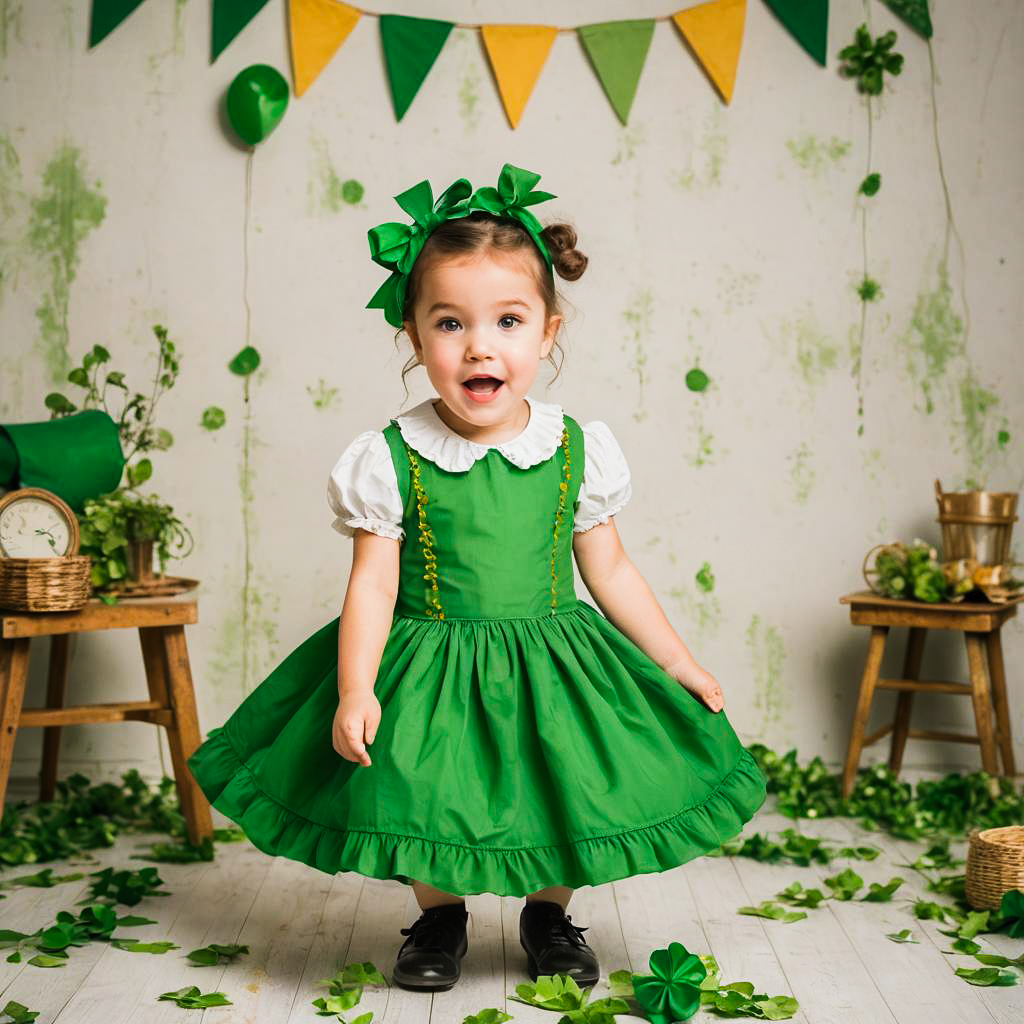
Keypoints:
(462, 869)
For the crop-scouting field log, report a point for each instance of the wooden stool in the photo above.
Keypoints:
(980, 623)
(161, 624)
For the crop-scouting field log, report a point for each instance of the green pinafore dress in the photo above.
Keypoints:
(524, 741)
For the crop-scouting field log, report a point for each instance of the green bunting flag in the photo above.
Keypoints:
(411, 46)
(807, 23)
(618, 49)
(229, 18)
(106, 16)
(914, 13)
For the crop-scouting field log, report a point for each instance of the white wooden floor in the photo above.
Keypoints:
(302, 925)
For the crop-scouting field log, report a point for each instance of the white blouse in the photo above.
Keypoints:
(362, 488)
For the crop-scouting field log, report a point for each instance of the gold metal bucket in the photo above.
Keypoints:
(976, 524)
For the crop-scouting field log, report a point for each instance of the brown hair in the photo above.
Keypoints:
(481, 231)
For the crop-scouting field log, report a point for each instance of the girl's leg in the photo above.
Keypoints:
(559, 894)
(427, 896)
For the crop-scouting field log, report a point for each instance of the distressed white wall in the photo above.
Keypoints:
(725, 237)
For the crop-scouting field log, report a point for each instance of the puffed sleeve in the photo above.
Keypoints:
(362, 489)
(606, 487)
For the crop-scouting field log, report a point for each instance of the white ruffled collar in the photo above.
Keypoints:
(425, 432)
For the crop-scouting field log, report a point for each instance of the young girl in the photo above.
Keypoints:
(523, 742)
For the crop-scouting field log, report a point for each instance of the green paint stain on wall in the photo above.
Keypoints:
(12, 202)
(767, 654)
(179, 26)
(813, 352)
(630, 140)
(801, 473)
(10, 24)
(871, 461)
(934, 337)
(699, 603)
(326, 190)
(977, 408)
(323, 396)
(817, 155)
(62, 216)
(737, 289)
(469, 96)
(638, 324)
(713, 147)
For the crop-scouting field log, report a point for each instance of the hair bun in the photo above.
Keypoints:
(568, 261)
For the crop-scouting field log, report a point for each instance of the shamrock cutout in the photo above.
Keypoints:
(672, 990)
(866, 60)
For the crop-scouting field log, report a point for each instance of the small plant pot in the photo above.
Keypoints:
(140, 561)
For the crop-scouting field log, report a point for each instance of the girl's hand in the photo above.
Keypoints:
(702, 684)
(355, 725)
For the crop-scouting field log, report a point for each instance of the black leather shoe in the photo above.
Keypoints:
(429, 957)
(554, 945)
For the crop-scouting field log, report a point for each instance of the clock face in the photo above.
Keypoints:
(33, 528)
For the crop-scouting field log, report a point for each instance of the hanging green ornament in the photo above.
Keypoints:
(867, 59)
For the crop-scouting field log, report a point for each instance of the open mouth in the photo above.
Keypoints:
(482, 387)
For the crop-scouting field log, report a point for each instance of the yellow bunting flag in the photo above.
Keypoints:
(318, 28)
(517, 54)
(715, 32)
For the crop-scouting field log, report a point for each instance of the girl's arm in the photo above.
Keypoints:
(625, 598)
(367, 612)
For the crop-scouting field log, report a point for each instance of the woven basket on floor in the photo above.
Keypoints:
(995, 864)
(45, 584)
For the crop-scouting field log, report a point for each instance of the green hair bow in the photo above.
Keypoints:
(396, 246)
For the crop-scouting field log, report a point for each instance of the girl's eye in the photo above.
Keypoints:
(443, 324)
(508, 316)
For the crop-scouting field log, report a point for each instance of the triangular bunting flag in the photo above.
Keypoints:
(411, 46)
(914, 13)
(517, 54)
(229, 18)
(807, 23)
(106, 16)
(715, 33)
(618, 49)
(318, 28)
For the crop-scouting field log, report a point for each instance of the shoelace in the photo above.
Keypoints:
(431, 929)
(565, 933)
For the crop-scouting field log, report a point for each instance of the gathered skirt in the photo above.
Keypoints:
(512, 754)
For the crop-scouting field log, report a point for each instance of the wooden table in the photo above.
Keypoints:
(161, 624)
(980, 624)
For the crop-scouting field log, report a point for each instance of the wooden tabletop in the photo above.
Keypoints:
(128, 613)
(870, 597)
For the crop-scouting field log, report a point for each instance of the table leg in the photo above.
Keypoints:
(982, 701)
(14, 654)
(170, 681)
(867, 690)
(56, 695)
(997, 675)
(905, 701)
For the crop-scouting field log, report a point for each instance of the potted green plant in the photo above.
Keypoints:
(120, 530)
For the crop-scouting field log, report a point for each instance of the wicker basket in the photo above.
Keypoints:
(995, 864)
(45, 584)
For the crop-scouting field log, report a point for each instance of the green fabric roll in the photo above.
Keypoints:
(520, 745)
(77, 456)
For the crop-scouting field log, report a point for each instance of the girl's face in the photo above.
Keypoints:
(480, 329)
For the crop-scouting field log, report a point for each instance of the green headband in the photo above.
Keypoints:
(395, 246)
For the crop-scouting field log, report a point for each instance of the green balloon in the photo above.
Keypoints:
(256, 102)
